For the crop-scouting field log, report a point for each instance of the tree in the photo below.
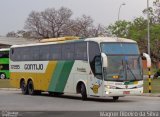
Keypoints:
(119, 28)
(48, 23)
(137, 29)
(57, 23)
(11, 34)
(97, 31)
(155, 42)
(81, 27)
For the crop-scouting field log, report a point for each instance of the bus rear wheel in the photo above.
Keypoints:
(23, 87)
(83, 92)
(31, 88)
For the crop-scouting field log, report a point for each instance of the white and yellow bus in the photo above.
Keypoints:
(100, 67)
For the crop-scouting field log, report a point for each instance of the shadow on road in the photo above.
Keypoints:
(90, 99)
(95, 99)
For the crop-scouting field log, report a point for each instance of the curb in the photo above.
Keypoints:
(9, 89)
(151, 94)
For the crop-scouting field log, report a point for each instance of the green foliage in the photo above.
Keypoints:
(119, 29)
(137, 30)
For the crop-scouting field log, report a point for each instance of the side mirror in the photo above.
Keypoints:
(104, 60)
(148, 59)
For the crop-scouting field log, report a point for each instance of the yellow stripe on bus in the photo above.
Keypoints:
(42, 79)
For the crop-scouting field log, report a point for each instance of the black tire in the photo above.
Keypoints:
(24, 87)
(31, 88)
(83, 92)
(115, 98)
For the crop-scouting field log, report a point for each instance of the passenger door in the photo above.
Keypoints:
(95, 81)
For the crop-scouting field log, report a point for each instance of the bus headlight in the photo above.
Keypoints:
(139, 86)
(110, 87)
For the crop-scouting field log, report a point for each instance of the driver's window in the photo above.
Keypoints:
(98, 65)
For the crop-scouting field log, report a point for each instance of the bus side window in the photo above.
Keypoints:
(81, 51)
(68, 51)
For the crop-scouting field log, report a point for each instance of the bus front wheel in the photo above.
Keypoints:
(23, 87)
(115, 98)
(83, 92)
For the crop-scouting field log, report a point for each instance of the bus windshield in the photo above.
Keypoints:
(120, 48)
(124, 63)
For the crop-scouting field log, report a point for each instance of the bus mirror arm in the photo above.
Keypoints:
(104, 60)
(148, 59)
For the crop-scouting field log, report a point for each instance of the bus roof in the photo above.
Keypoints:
(95, 39)
(110, 39)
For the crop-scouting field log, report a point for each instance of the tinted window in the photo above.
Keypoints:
(81, 51)
(95, 59)
(55, 52)
(25, 53)
(120, 48)
(68, 51)
(16, 54)
(93, 50)
(44, 52)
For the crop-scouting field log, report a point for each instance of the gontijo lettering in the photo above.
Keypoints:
(33, 66)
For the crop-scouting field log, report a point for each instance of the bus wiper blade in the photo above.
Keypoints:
(131, 71)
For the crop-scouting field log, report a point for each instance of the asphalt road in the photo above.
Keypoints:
(14, 100)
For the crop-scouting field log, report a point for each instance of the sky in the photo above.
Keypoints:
(13, 13)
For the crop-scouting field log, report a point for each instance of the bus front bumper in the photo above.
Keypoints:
(123, 92)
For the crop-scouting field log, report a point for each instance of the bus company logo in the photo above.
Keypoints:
(96, 86)
(15, 67)
(81, 69)
(33, 66)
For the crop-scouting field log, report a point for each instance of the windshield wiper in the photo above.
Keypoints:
(121, 69)
(128, 68)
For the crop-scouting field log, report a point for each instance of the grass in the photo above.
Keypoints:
(155, 85)
(4, 83)
(153, 71)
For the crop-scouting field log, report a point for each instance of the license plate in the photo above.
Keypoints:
(126, 92)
